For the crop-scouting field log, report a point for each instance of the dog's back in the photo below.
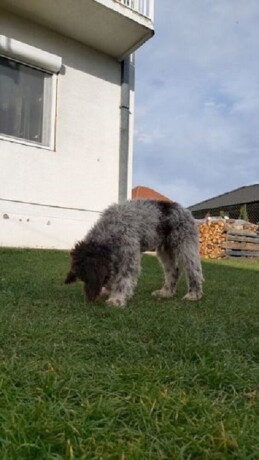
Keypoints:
(146, 222)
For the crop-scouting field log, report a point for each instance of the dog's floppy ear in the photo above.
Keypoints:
(72, 274)
(90, 264)
(71, 277)
(95, 280)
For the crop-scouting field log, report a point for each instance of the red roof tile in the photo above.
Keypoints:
(146, 193)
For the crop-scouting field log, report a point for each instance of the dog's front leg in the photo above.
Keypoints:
(121, 291)
(123, 286)
(105, 292)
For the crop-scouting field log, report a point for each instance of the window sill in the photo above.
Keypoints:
(16, 140)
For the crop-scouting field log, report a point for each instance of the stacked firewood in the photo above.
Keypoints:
(232, 224)
(212, 236)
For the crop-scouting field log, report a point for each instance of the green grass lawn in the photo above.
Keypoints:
(158, 380)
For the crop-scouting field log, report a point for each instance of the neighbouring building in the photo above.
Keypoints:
(146, 193)
(66, 114)
(234, 204)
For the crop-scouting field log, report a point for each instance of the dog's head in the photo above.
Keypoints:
(90, 263)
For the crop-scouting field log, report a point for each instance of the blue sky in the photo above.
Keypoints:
(197, 99)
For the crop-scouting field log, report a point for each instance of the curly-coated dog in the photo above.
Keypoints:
(108, 259)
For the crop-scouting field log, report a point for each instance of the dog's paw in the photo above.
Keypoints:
(193, 296)
(113, 302)
(162, 294)
(104, 292)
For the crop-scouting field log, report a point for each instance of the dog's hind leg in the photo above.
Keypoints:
(171, 270)
(191, 261)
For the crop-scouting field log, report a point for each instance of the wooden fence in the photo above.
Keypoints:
(241, 243)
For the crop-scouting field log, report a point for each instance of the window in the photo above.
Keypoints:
(26, 96)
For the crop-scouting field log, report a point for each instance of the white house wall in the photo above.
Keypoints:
(82, 172)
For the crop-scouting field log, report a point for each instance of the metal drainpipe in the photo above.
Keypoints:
(127, 81)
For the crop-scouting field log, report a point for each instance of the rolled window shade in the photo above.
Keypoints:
(29, 54)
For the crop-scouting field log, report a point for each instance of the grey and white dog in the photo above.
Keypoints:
(108, 259)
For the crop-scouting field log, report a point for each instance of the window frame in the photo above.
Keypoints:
(53, 110)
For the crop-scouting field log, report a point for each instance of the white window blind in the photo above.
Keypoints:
(27, 92)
